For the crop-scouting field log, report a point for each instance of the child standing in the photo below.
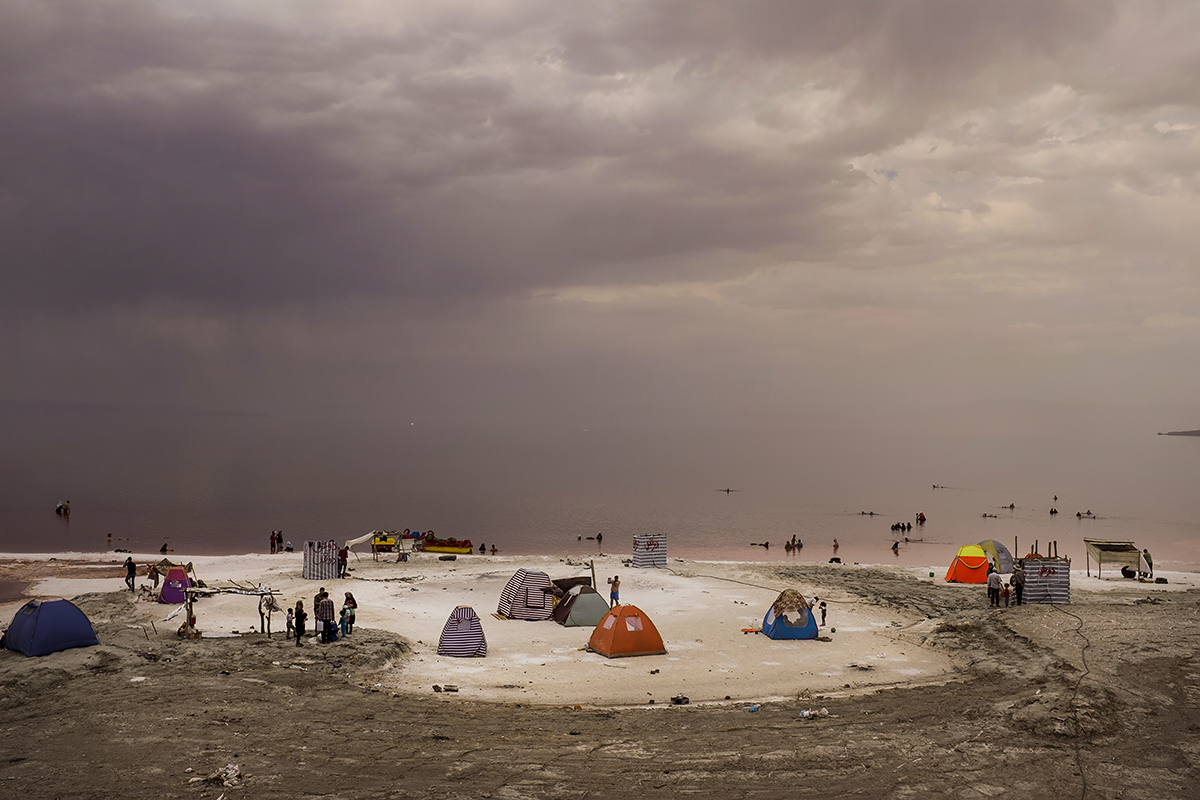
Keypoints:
(1005, 594)
(342, 621)
(291, 623)
(823, 610)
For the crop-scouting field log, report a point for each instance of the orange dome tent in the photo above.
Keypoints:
(969, 566)
(626, 631)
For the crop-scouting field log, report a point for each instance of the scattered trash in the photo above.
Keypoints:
(809, 713)
(653, 672)
(752, 709)
(863, 667)
(450, 687)
(679, 700)
(231, 775)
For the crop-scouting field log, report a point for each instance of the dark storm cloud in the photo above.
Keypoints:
(234, 161)
(641, 211)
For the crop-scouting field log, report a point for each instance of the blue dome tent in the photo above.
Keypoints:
(41, 627)
(789, 617)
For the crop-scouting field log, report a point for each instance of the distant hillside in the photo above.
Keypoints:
(1180, 433)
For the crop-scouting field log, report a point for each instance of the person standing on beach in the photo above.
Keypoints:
(614, 590)
(299, 622)
(349, 606)
(316, 607)
(994, 582)
(272, 542)
(1148, 562)
(130, 572)
(291, 623)
(326, 614)
(1018, 583)
(343, 561)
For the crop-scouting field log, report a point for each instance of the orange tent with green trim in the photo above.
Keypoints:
(626, 631)
(969, 566)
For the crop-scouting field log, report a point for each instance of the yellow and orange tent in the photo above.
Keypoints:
(626, 631)
(969, 566)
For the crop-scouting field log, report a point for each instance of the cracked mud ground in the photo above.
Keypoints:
(1098, 699)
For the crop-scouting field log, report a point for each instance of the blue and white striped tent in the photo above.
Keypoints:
(462, 635)
(527, 596)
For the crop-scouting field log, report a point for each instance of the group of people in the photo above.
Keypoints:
(63, 509)
(793, 544)
(998, 589)
(328, 624)
(278, 545)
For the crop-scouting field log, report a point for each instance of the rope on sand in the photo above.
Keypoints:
(1075, 694)
(747, 583)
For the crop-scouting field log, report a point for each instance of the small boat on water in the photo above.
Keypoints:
(431, 544)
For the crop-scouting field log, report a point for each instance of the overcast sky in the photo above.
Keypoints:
(604, 214)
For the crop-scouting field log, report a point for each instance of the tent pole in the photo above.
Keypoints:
(592, 564)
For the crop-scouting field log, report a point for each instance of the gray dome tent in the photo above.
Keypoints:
(582, 606)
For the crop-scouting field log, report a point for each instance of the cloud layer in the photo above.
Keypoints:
(634, 211)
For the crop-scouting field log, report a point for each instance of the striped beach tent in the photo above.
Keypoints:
(462, 635)
(527, 596)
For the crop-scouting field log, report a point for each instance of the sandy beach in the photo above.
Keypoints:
(915, 686)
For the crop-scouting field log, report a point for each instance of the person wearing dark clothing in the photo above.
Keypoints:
(343, 561)
(130, 572)
(299, 621)
(1018, 583)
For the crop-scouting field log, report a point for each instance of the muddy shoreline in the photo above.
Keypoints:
(1094, 700)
